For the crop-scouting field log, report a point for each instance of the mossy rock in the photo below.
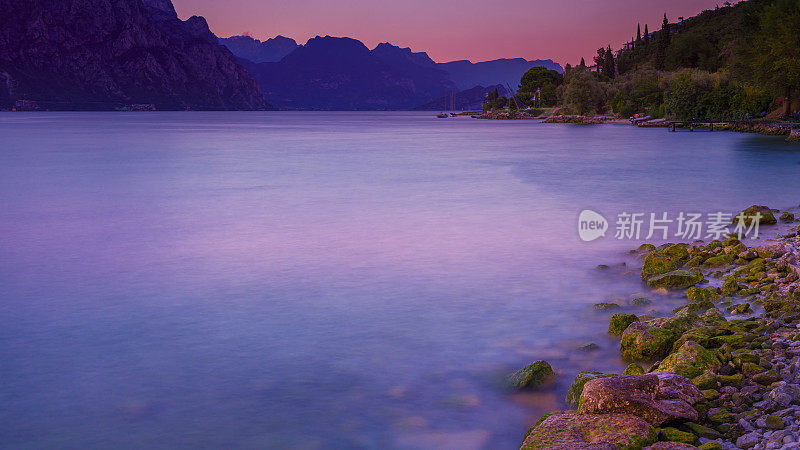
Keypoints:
(677, 279)
(672, 434)
(605, 306)
(700, 430)
(619, 322)
(651, 344)
(718, 261)
(532, 376)
(641, 301)
(690, 361)
(775, 422)
(722, 416)
(766, 378)
(710, 446)
(570, 429)
(733, 340)
(695, 294)
(736, 381)
(694, 308)
(787, 217)
(766, 218)
(730, 286)
(576, 388)
(634, 369)
(656, 264)
(675, 252)
(645, 248)
(706, 381)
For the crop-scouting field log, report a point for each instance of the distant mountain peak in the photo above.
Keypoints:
(271, 50)
(394, 54)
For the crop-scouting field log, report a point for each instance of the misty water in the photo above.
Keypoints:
(325, 280)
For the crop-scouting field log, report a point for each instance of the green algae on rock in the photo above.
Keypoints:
(676, 279)
(696, 294)
(749, 214)
(534, 375)
(576, 388)
(619, 322)
(672, 434)
(575, 430)
(690, 360)
(656, 264)
(633, 369)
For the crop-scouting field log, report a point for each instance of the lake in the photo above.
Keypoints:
(316, 280)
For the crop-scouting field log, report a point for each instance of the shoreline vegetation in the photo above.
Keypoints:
(720, 372)
(736, 66)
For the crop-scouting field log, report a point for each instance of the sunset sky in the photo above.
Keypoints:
(478, 30)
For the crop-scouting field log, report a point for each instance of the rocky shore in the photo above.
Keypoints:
(767, 127)
(720, 372)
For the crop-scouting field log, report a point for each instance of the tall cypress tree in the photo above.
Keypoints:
(582, 64)
(646, 37)
(638, 34)
(663, 44)
(608, 63)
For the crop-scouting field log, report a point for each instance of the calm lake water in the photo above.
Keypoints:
(324, 280)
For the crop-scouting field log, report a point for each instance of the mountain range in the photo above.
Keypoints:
(101, 54)
(342, 73)
(118, 54)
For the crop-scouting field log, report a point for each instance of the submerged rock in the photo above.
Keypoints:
(534, 375)
(787, 217)
(767, 218)
(572, 430)
(696, 294)
(656, 397)
(656, 264)
(677, 279)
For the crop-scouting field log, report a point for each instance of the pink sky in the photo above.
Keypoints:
(477, 30)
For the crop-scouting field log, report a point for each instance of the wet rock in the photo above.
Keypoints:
(766, 218)
(785, 394)
(576, 388)
(787, 217)
(534, 375)
(572, 430)
(675, 435)
(656, 264)
(669, 446)
(748, 440)
(771, 250)
(696, 294)
(677, 279)
(691, 360)
(641, 301)
(606, 306)
(634, 369)
(656, 399)
(619, 322)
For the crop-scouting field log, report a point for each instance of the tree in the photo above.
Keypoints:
(775, 52)
(663, 45)
(608, 63)
(583, 93)
(646, 37)
(582, 65)
(543, 80)
(638, 34)
(600, 59)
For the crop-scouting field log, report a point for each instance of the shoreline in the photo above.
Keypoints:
(720, 372)
(760, 126)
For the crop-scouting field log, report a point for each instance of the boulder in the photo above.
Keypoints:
(656, 264)
(691, 360)
(787, 217)
(657, 398)
(534, 375)
(771, 250)
(676, 279)
(576, 388)
(633, 369)
(573, 430)
(652, 339)
(619, 322)
(766, 218)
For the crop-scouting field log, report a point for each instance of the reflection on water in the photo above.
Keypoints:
(310, 280)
